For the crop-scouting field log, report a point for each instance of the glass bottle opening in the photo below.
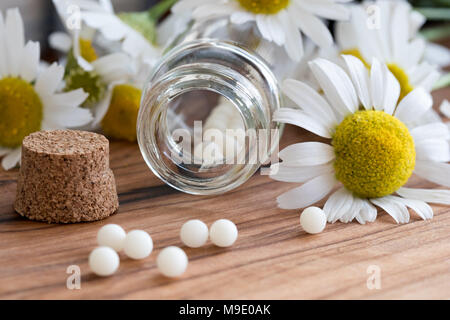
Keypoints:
(204, 125)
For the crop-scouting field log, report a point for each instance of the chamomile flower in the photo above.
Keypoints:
(388, 30)
(373, 149)
(29, 95)
(113, 81)
(130, 31)
(278, 21)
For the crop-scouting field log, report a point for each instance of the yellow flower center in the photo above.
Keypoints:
(264, 6)
(356, 53)
(375, 153)
(21, 111)
(120, 120)
(402, 77)
(87, 51)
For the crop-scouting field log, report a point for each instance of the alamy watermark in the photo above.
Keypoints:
(73, 281)
(374, 280)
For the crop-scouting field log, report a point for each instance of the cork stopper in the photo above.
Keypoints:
(65, 177)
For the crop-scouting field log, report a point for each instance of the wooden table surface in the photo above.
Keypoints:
(273, 257)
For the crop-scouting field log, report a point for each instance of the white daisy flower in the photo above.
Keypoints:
(280, 21)
(99, 15)
(30, 100)
(373, 149)
(388, 30)
(105, 78)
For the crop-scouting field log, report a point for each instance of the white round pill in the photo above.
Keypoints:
(313, 220)
(194, 233)
(138, 244)
(172, 262)
(104, 261)
(111, 235)
(223, 233)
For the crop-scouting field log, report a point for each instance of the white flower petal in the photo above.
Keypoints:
(308, 194)
(102, 107)
(301, 119)
(307, 154)
(14, 40)
(427, 195)
(400, 23)
(414, 105)
(360, 77)
(436, 172)
(377, 84)
(436, 130)
(60, 41)
(392, 91)
(433, 149)
(4, 68)
(355, 209)
(416, 21)
(30, 61)
(294, 42)
(368, 213)
(241, 17)
(69, 99)
(326, 9)
(437, 54)
(263, 27)
(419, 206)
(310, 101)
(212, 10)
(49, 80)
(300, 174)
(393, 207)
(113, 67)
(416, 49)
(70, 117)
(183, 6)
(337, 86)
(10, 160)
(338, 204)
(276, 29)
(313, 27)
(109, 25)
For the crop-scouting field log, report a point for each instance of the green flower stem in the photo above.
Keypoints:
(160, 9)
(435, 13)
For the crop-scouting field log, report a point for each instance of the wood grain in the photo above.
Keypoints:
(272, 259)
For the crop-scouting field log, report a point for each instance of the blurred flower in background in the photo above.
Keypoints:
(31, 99)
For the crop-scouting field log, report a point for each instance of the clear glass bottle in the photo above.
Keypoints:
(220, 78)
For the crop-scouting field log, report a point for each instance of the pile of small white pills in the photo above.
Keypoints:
(138, 244)
(313, 220)
(111, 238)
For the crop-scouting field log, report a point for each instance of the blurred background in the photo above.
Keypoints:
(41, 18)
